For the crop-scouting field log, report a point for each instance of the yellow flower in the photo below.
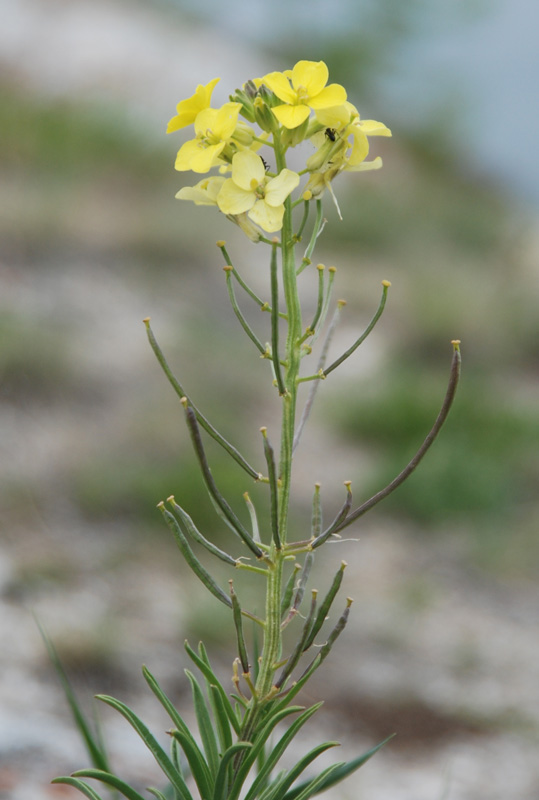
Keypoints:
(214, 129)
(250, 190)
(302, 88)
(344, 121)
(204, 193)
(188, 109)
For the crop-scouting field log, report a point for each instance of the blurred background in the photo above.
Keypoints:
(442, 645)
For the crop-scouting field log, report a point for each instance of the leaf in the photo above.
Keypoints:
(205, 726)
(80, 785)
(151, 743)
(277, 751)
(221, 781)
(280, 786)
(317, 784)
(156, 793)
(111, 780)
(94, 746)
(258, 745)
(205, 667)
(195, 759)
(344, 769)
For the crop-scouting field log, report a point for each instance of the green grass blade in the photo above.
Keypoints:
(341, 772)
(94, 745)
(221, 780)
(80, 785)
(151, 743)
(205, 725)
(110, 780)
(277, 751)
(204, 666)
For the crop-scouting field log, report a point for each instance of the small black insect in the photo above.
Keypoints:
(266, 165)
(331, 133)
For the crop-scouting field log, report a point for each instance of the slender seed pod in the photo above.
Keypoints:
(243, 322)
(454, 377)
(274, 490)
(220, 501)
(275, 320)
(368, 329)
(238, 623)
(286, 600)
(191, 559)
(193, 531)
(208, 427)
(300, 645)
(339, 519)
(326, 605)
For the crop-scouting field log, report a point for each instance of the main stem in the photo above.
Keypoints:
(271, 653)
(272, 644)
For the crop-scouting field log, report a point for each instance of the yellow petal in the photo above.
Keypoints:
(373, 128)
(204, 193)
(311, 75)
(247, 166)
(188, 109)
(333, 95)
(360, 148)
(291, 116)
(270, 219)
(334, 116)
(366, 166)
(232, 199)
(192, 155)
(278, 188)
(279, 85)
(226, 120)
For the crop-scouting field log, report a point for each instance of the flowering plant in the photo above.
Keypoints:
(232, 757)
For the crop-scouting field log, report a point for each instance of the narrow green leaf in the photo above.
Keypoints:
(110, 780)
(205, 726)
(278, 789)
(195, 759)
(222, 780)
(80, 785)
(223, 723)
(94, 746)
(156, 793)
(205, 667)
(278, 750)
(151, 743)
(317, 784)
(258, 743)
(341, 772)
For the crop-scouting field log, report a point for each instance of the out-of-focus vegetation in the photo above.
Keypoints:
(82, 179)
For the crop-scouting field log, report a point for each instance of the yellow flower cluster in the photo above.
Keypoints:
(289, 107)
